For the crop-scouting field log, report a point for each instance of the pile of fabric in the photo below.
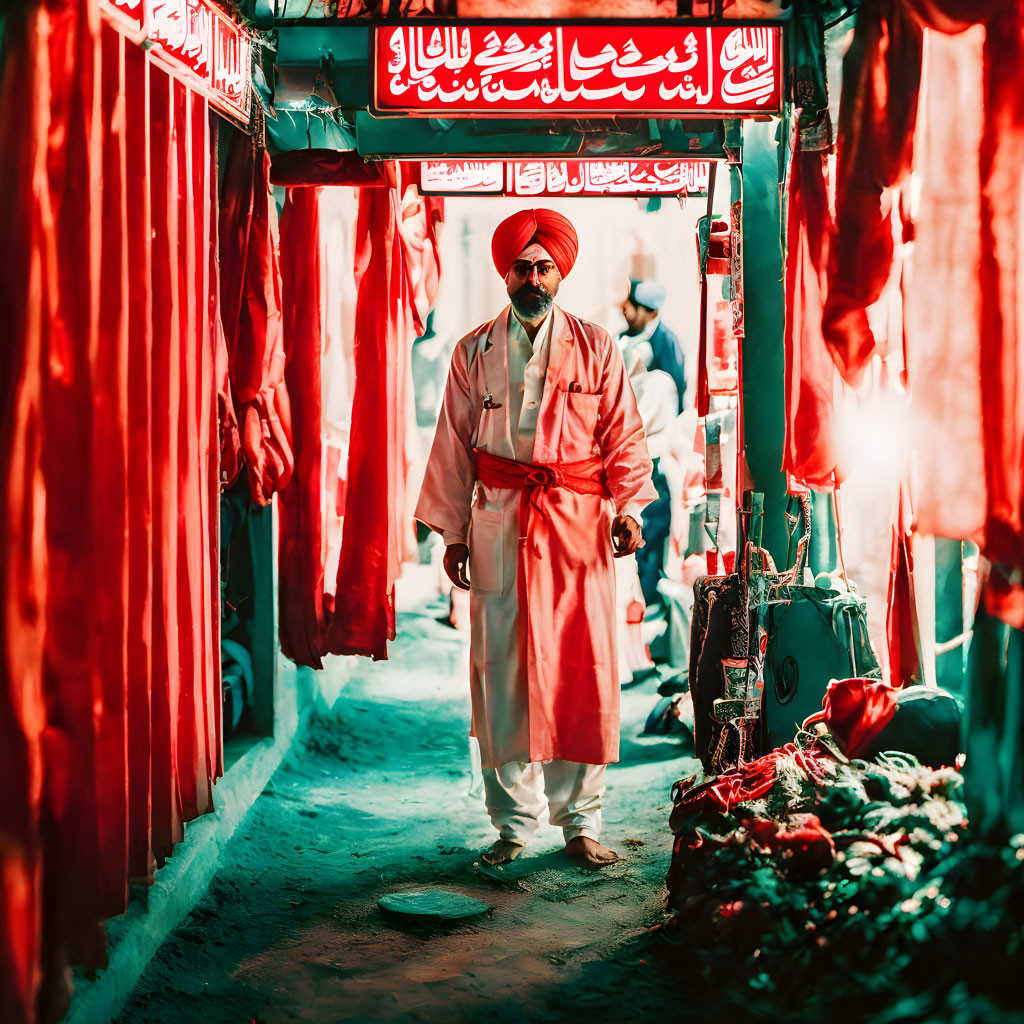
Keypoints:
(808, 880)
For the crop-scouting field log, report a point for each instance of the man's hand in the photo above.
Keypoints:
(456, 565)
(626, 536)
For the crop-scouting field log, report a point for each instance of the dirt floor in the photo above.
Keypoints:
(377, 799)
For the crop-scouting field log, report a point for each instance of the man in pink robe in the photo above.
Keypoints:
(537, 476)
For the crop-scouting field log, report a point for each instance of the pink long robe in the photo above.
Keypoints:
(545, 687)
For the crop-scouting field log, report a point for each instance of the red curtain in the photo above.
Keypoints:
(251, 304)
(1002, 324)
(809, 456)
(362, 619)
(109, 686)
(300, 551)
(882, 75)
(396, 271)
(24, 270)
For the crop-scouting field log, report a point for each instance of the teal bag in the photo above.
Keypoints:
(815, 635)
(818, 636)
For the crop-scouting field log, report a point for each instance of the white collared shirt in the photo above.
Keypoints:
(527, 371)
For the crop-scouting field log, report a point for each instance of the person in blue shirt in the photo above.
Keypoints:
(643, 324)
(651, 351)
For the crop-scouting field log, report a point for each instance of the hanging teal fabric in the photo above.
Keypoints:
(994, 737)
(808, 83)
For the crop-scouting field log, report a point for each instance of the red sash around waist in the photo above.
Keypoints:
(583, 477)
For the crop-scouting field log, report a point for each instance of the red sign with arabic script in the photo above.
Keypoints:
(197, 42)
(569, 70)
(592, 177)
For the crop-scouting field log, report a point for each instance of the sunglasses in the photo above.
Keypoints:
(544, 268)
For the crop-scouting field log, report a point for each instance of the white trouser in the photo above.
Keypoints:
(518, 792)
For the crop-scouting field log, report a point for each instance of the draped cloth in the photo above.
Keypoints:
(966, 275)
(109, 680)
(397, 267)
(809, 455)
(584, 477)
(300, 550)
(902, 627)
(251, 307)
(362, 618)
(882, 76)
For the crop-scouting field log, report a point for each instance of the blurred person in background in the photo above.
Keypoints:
(644, 327)
(654, 363)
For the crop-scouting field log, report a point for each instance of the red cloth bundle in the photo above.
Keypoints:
(856, 711)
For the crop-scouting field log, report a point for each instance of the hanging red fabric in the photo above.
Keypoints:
(1001, 358)
(109, 358)
(108, 634)
(251, 313)
(24, 121)
(901, 622)
(362, 618)
(809, 455)
(881, 78)
(166, 411)
(300, 552)
(140, 480)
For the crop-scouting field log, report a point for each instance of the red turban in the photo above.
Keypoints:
(546, 228)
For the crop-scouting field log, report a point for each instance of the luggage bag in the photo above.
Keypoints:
(763, 646)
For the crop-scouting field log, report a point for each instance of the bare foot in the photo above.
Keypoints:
(591, 852)
(504, 851)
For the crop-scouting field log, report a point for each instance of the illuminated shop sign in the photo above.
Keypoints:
(564, 177)
(570, 70)
(197, 42)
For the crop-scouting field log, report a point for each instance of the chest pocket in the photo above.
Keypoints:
(580, 424)
(486, 550)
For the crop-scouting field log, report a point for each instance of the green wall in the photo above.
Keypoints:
(763, 353)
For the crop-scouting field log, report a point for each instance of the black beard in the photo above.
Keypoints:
(631, 331)
(532, 303)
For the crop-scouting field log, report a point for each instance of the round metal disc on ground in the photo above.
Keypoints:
(438, 903)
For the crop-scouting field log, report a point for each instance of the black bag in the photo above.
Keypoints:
(726, 638)
(718, 630)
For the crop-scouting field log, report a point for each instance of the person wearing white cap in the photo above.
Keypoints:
(654, 362)
(644, 326)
